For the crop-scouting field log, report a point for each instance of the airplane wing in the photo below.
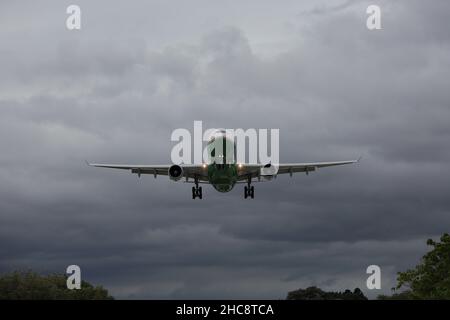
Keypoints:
(244, 170)
(189, 171)
(255, 170)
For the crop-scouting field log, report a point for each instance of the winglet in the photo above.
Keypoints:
(87, 162)
(359, 159)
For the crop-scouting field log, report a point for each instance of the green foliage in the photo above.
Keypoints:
(431, 278)
(32, 286)
(314, 293)
(405, 295)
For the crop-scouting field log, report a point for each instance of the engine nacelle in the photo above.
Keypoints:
(175, 172)
(268, 171)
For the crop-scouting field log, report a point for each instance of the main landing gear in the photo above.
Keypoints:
(196, 191)
(249, 191)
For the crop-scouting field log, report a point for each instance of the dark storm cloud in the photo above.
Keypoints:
(114, 92)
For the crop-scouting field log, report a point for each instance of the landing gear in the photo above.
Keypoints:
(197, 191)
(249, 191)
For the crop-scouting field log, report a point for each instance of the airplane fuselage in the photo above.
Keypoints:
(222, 167)
(223, 177)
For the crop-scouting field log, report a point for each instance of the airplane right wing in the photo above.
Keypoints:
(189, 171)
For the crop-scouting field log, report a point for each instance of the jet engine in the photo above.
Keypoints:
(269, 171)
(175, 172)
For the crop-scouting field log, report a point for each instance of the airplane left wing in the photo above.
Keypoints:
(307, 167)
(254, 170)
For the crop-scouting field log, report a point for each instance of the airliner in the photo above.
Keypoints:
(225, 174)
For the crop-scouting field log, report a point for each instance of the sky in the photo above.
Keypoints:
(116, 89)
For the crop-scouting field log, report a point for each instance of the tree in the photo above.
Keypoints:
(29, 285)
(431, 278)
(314, 293)
(405, 295)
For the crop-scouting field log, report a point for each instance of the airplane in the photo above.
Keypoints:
(225, 175)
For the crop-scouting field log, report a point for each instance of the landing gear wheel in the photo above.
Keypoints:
(197, 191)
(249, 190)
